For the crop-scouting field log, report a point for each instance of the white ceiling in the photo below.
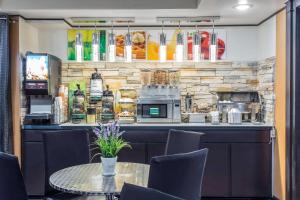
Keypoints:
(100, 4)
(145, 11)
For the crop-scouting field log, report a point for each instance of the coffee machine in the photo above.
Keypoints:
(42, 78)
(247, 103)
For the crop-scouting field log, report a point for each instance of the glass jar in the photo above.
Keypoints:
(215, 117)
(96, 90)
(127, 105)
(91, 115)
(160, 77)
(128, 110)
(107, 106)
(146, 77)
(128, 92)
(78, 106)
(174, 77)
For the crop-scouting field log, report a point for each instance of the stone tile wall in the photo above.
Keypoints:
(199, 79)
(266, 78)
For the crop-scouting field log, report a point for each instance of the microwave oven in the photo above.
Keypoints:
(158, 111)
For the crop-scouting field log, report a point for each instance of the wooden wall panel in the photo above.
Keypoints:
(280, 107)
(15, 84)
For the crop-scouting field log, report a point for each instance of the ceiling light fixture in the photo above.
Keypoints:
(179, 46)
(111, 45)
(188, 20)
(213, 45)
(162, 46)
(79, 47)
(243, 7)
(196, 45)
(128, 46)
(95, 45)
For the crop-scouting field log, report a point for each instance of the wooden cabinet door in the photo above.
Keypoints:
(251, 169)
(216, 180)
(34, 168)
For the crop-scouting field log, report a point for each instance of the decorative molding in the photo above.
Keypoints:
(147, 26)
(274, 14)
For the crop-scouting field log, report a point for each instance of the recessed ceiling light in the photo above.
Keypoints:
(243, 7)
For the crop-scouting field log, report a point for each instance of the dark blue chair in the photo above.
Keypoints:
(179, 174)
(133, 192)
(64, 149)
(180, 141)
(12, 185)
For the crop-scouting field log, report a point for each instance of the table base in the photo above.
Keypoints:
(109, 197)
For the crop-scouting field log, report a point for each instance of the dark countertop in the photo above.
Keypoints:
(154, 125)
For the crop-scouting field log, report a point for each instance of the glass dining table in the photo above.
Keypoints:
(87, 179)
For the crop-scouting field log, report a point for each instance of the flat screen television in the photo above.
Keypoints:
(37, 67)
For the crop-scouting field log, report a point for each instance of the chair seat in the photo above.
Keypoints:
(74, 197)
(179, 175)
(134, 192)
(90, 198)
(11, 180)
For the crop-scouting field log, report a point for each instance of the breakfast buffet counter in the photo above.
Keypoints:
(239, 161)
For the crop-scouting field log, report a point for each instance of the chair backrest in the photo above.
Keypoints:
(12, 186)
(133, 192)
(179, 174)
(65, 148)
(180, 141)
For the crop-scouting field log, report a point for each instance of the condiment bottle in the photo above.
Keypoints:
(215, 117)
(188, 102)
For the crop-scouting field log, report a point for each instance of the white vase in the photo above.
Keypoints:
(108, 166)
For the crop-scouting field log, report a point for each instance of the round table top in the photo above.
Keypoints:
(88, 180)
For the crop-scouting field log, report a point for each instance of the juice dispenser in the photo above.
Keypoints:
(41, 82)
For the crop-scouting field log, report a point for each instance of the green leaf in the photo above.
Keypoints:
(111, 146)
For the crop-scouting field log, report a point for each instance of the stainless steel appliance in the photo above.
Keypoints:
(42, 79)
(159, 104)
(243, 101)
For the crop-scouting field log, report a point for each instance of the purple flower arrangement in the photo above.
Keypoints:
(109, 139)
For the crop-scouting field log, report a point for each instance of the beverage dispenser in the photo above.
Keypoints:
(78, 107)
(42, 79)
